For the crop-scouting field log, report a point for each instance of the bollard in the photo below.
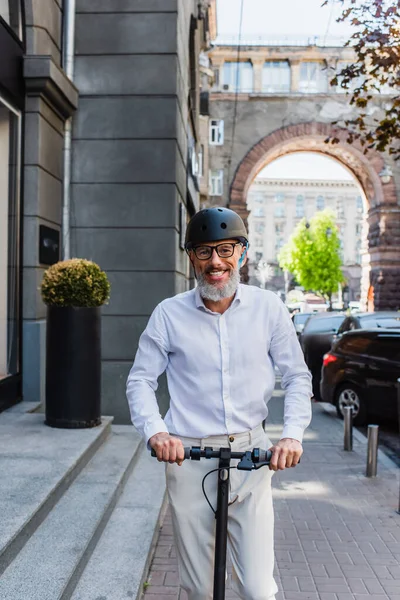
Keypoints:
(348, 428)
(372, 457)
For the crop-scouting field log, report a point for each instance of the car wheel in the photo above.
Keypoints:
(350, 395)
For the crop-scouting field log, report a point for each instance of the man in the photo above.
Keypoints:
(219, 344)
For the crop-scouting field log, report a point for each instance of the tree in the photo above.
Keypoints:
(376, 42)
(312, 255)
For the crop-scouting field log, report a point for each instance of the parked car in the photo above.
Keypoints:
(316, 339)
(370, 320)
(361, 371)
(299, 320)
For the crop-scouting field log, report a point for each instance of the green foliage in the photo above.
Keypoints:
(75, 282)
(376, 43)
(312, 254)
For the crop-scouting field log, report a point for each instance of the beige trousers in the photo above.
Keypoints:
(250, 520)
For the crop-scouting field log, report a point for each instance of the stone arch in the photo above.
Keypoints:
(381, 251)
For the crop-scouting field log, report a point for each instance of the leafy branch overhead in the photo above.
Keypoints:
(312, 254)
(375, 70)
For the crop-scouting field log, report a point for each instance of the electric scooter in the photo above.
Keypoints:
(252, 459)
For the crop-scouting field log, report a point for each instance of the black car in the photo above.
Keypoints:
(299, 320)
(370, 320)
(361, 371)
(316, 339)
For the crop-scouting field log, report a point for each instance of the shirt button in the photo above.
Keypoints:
(231, 438)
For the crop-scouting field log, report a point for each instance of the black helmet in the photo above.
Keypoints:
(214, 224)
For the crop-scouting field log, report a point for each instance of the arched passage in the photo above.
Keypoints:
(381, 248)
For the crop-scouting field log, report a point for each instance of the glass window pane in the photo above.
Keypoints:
(313, 78)
(238, 76)
(9, 240)
(10, 11)
(276, 77)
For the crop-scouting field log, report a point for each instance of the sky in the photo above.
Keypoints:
(306, 165)
(288, 18)
(281, 17)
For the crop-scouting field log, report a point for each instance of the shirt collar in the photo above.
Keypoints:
(237, 299)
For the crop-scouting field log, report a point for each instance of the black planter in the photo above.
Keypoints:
(73, 367)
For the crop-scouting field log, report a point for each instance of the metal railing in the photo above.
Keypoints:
(280, 40)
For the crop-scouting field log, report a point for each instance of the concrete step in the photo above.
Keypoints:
(37, 465)
(120, 561)
(49, 565)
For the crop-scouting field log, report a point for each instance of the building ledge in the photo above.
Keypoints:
(44, 78)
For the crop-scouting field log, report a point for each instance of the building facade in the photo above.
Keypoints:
(273, 97)
(99, 138)
(276, 206)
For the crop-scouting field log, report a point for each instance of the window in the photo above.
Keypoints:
(313, 78)
(10, 11)
(358, 229)
(279, 244)
(279, 211)
(276, 77)
(300, 206)
(259, 243)
(360, 207)
(259, 227)
(279, 197)
(258, 212)
(216, 132)
(384, 321)
(200, 165)
(358, 252)
(279, 227)
(259, 199)
(340, 208)
(320, 203)
(259, 256)
(216, 182)
(385, 347)
(10, 139)
(238, 77)
(324, 324)
(353, 344)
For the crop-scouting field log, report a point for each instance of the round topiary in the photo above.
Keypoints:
(75, 282)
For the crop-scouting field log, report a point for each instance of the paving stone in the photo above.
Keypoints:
(337, 535)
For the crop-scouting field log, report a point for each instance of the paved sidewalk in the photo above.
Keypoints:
(337, 533)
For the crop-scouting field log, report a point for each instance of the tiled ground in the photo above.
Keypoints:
(337, 533)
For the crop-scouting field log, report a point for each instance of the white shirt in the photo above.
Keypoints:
(220, 368)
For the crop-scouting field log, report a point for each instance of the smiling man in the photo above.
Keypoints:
(219, 344)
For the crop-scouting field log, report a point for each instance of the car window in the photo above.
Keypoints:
(385, 347)
(300, 318)
(384, 321)
(324, 324)
(388, 322)
(353, 344)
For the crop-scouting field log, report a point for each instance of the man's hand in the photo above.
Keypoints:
(286, 453)
(168, 448)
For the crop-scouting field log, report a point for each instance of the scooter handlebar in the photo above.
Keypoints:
(195, 453)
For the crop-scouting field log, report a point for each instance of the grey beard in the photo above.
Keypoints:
(208, 291)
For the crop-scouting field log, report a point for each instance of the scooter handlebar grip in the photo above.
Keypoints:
(265, 455)
(187, 453)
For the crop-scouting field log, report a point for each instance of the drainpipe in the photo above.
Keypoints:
(68, 66)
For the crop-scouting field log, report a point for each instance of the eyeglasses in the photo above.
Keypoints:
(223, 250)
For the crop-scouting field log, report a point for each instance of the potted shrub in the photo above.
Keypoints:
(74, 290)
